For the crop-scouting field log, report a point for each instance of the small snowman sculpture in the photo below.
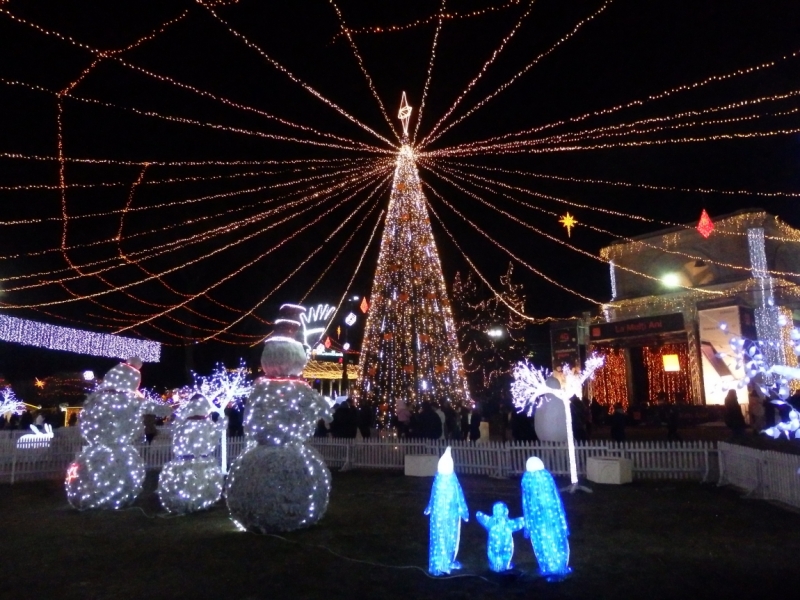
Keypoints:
(279, 483)
(192, 480)
(109, 472)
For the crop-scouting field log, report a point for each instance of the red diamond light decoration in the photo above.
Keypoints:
(705, 226)
(364, 306)
(327, 342)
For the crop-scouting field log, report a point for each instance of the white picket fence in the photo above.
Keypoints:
(763, 474)
(651, 460)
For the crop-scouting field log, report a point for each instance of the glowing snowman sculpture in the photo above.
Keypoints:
(192, 480)
(109, 472)
(279, 483)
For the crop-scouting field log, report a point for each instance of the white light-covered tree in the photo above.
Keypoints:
(9, 403)
(532, 386)
(223, 388)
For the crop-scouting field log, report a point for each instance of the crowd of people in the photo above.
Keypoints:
(24, 420)
(428, 422)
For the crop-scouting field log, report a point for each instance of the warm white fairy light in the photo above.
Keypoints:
(522, 148)
(251, 262)
(199, 328)
(341, 250)
(166, 247)
(622, 134)
(633, 185)
(471, 179)
(500, 297)
(432, 138)
(302, 263)
(511, 254)
(115, 55)
(440, 16)
(500, 141)
(174, 163)
(360, 262)
(294, 78)
(363, 69)
(429, 75)
(196, 260)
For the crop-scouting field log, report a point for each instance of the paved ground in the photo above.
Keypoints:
(645, 540)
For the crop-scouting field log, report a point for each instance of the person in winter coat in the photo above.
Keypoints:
(366, 417)
(430, 425)
(733, 415)
(618, 421)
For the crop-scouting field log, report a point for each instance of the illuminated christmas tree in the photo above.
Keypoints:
(410, 350)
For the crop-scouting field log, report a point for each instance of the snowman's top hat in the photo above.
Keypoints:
(288, 322)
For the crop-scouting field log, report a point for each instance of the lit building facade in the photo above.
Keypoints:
(679, 295)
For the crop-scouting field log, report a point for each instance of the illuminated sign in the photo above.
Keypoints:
(636, 327)
(315, 321)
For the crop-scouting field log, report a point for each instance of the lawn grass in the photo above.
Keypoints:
(644, 540)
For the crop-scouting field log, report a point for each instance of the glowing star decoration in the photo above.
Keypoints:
(545, 521)
(532, 387)
(279, 483)
(446, 508)
(500, 546)
(108, 473)
(568, 221)
(9, 403)
(404, 114)
(192, 480)
(38, 383)
(705, 226)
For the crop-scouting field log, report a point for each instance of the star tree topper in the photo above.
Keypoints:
(405, 114)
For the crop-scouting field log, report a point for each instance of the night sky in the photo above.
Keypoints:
(630, 51)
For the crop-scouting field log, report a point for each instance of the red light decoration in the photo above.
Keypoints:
(327, 342)
(364, 306)
(72, 473)
(705, 226)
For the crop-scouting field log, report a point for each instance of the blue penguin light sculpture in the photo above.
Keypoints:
(446, 508)
(500, 546)
(545, 521)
